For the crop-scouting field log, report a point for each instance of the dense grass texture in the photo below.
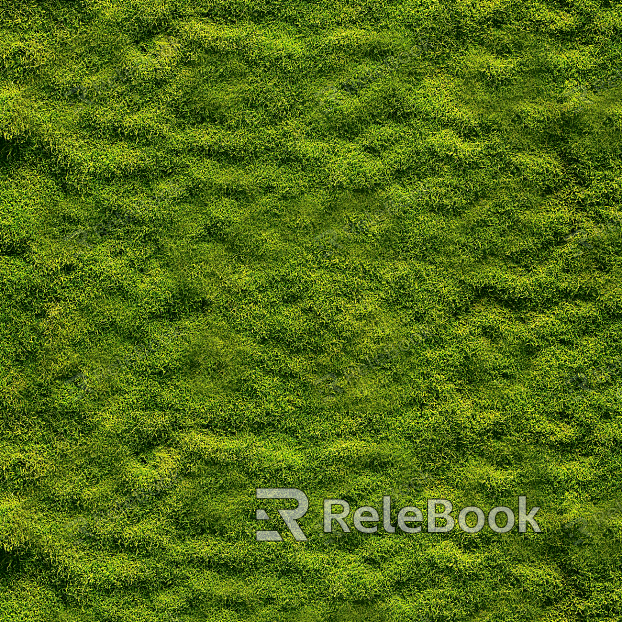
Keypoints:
(352, 247)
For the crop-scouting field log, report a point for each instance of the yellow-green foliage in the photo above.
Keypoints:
(356, 248)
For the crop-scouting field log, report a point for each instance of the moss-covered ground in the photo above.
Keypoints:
(352, 247)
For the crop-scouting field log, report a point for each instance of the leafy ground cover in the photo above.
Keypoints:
(350, 247)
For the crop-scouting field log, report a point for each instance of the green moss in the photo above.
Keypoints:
(351, 247)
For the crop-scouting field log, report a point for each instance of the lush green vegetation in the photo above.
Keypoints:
(350, 247)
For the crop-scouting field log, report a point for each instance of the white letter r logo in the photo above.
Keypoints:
(289, 516)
